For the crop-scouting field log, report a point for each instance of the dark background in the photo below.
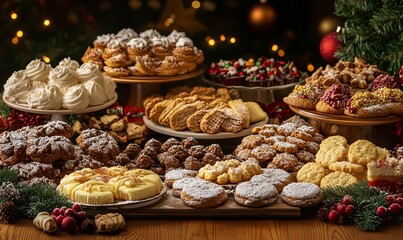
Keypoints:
(295, 28)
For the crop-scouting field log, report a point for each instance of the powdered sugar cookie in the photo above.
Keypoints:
(203, 194)
(338, 179)
(252, 141)
(263, 153)
(312, 147)
(346, 167)
(278, 177)
(285, 161)
(176, 174)
(277, 138)
(285, 147)
(297, 141)
(312, 173)
(179, 184)
(305, 156)
(267, 132)
(302, 194)
(286, 129)
(254, 194)
(302, 135)
(362, 152)
(308, 129)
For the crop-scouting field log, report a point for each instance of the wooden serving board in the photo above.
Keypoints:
(170, 206)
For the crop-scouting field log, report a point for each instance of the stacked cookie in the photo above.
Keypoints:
(338, 163)
(352, 88)
(287, 146)
(146, 54)
(202, 109)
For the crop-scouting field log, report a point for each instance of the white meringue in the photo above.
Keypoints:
(37, 70)
(96, 91)
(63, 78)
(76, 97)
(109, 88)
(49, 98)
(17, 87)
(89, 72)
(69, 63)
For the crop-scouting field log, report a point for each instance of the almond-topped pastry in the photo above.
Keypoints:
(334, 100)
(146, 65)
(366, 104)
(305, 96)
(169, 66)
(393, 99)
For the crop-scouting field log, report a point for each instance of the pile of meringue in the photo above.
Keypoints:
(67, 86)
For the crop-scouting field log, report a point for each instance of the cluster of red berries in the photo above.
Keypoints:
(393, 210)
(18, 119)
(338, 211)
(72, 219)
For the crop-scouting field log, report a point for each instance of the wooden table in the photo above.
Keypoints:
(306, 227)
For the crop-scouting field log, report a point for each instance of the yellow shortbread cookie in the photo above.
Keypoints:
(338, 179)
(346, 167)
(381, 153)
(362, 152)
(312, 173)
(361, 176)
(330, 154)
(334, 140)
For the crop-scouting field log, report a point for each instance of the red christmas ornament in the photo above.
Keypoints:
(328, 47)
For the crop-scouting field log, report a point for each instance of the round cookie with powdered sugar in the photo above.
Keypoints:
(203, 194)
(302, 194)
(172, 176)
(255, 194)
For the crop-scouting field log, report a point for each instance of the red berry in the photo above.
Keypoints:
(382, 211)
(62, 210)
(347, 200)
(350, 209)
(56, 212)
(333, 216)
(400, 201)
(81, 216)
(76, 207)
(395, 208)
(69, 224)
(59, 220)
(341, 209)
(332, 208)
(69, 213)
(390, 199)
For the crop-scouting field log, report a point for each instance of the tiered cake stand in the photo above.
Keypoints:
(59, 114)
(141, 87)
(377, 130)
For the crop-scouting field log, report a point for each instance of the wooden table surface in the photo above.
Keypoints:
(305, 227)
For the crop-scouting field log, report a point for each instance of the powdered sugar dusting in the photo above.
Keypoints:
(201, 190)
(301, 190)
(259, 190)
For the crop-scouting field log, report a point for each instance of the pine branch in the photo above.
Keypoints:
(367, 220)
(8, 175)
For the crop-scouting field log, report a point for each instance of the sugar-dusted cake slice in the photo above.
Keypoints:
(383, 174)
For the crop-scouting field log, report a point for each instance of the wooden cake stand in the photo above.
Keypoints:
(141, 87)
(377, 130)
(59, 114)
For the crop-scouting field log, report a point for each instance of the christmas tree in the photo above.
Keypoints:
(372, 31)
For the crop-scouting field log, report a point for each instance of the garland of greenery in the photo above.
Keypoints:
(34, 198)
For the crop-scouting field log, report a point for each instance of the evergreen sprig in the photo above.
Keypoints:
(8, 175)
(365, 200)
(372, 31)
(34, 198)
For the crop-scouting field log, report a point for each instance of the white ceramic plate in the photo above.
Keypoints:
(184, 134)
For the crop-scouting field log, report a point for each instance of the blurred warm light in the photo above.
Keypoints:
(222, 37)
(13, 15)
(232, 40)
(20, 33)
(14, 40)
(211, 42)
(274, 47)
(281, 53)
(46, 22)
(328, 24)
(46, 59)
(207, 39)
(196, 4)
(262, 16)
(310, 67)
